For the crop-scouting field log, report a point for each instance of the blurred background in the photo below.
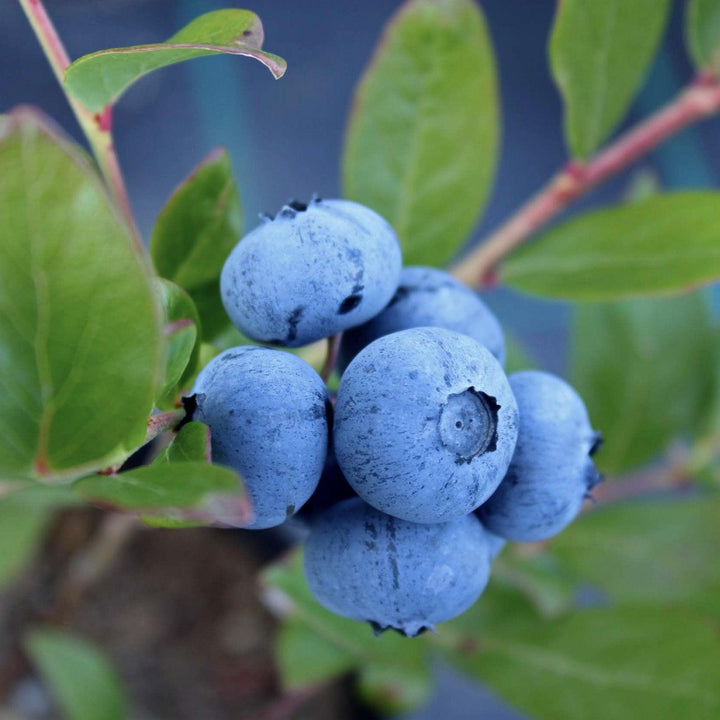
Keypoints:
(180, 615)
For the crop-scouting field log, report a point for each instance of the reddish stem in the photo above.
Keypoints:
(96, 126)
(163, 421)
(698, 101)
(173, 327)
(57, 55)
(333, 349)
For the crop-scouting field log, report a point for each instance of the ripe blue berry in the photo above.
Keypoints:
(311, 272)
(368, 566)
(425, 424)
(268, 413)
(551, 472)
(429, 297)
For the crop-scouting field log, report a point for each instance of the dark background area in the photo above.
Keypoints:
(285, 137)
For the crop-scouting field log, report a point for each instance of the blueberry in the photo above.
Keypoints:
(426, 296)
(425, 424)
(372, 567)
(268, 413)
(551, 472)
(311, 272)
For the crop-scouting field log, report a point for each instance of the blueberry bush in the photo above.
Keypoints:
(337, 369)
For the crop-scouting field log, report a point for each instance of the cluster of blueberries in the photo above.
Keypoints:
(431, 457)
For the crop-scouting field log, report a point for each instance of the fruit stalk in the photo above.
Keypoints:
(97, 127)
(696, 102)
(333, 348)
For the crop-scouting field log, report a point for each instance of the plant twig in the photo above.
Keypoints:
(642, 483)
(698, 101)
(156, 425)
(160, 422)
(333, 348)
(96, 126)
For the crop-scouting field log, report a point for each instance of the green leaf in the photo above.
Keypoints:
(600, 52)
(190, 444)
(79, 324)
(85, 684)
(401, 691)
(182, 341)
(99, 79)
(307, 657)
(500, 607)
(24, 517)
(656, 552)
(664, 244)
(546, 583)
(195, 232)
(626, 367)
(315, 645)
(176, 492)
(702, 29)
(423, 135)
(623, 663)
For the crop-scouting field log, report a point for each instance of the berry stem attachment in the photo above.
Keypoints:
(333, 348)
(156, 425)
(97, 127)
(160, 422)
(696, 102)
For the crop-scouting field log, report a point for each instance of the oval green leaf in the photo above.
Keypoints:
(647, 370)
(540, 578)
(98, 79)
(422, 139)
(83, 681)
(665, 244)
(79, 324)
(190, 444)
(655, 552)
(182, 341)
(624, 663)
(195, 232)
(702, 30)
(600, 51)
(174, 491)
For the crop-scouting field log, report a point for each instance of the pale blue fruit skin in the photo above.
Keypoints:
(551, 472)
(395, 433)
(429, 297)
(268, 413)
(308, 274)
(369, 566)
